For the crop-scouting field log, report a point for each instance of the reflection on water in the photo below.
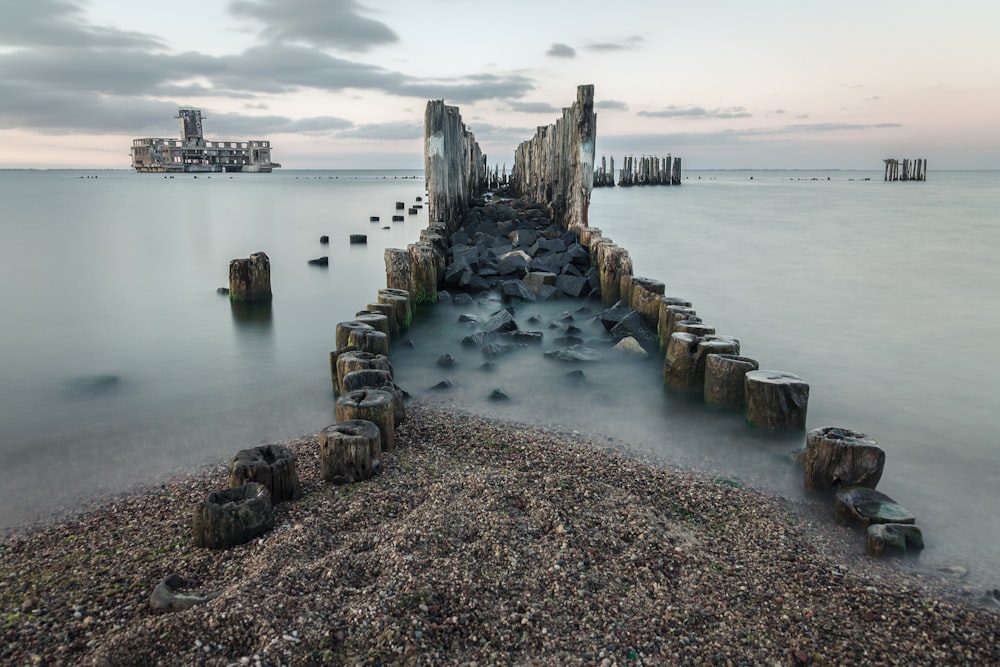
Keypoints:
(256, 316)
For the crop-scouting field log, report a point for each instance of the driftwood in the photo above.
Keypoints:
(270, 465)
(835, 457)
(350, 451)
(233, 516)
(167, 596)
(776, 401)
(372, 405)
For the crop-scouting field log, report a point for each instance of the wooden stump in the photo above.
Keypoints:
(645, 298)
(776, 401)
(250, 278)
(357, 360)
(424, 267)
(375, 342)
(400, 301)
(350, 451)
(377, 321)
(344, 329)
(373, 405)
(334, 355)
(613, 262)
(233, 516)
(706, 347)
(398, 272)
(270, 465)
(835, 457)
(670, 314)
(389, 311)
(724, 379)
(679, 369)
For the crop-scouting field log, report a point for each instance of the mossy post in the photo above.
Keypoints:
(400, 301)
(423, 273)
(250, 278)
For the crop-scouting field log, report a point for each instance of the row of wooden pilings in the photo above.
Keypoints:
(905, 170)
(644, 170)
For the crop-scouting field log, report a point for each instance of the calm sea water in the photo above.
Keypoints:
(121, 363)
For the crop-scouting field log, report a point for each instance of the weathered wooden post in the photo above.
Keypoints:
(371, 405)
(834, 457)
(776, 401)
(355, 360)
(350, 451)
(556, 166)
(250, 278)
(453, 165)
(389, 311)
(400, 301)
(372, 341)
(424, 274)
(668, 314)
(344, 329)
(725, 379)
(270, 465)
(376, 321)
(645, 298)
(612, 263)
(233, 516)
(398, 272)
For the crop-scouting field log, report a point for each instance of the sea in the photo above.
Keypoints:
(121, 364)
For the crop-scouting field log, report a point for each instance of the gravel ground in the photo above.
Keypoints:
(483, 542)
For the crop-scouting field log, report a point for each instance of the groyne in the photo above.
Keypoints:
(905, 170)
(537, 246)
(644, 170)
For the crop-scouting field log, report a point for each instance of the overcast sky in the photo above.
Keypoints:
(344, 83)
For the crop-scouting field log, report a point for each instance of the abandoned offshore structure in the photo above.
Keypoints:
(191, 153)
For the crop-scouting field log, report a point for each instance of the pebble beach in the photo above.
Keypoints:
(483, 542)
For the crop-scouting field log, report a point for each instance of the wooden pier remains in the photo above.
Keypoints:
(644, 170)
(556, 167)
(905, 170)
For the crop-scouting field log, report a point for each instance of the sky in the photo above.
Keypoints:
(344, 83)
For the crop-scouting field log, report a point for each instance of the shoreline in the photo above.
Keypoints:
(483, 540)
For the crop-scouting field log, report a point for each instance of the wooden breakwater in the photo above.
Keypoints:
(454, 165)
(905, 170)
(523, 258)
(644, 170)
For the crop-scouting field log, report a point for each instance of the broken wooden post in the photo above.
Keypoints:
(398, 273)
(233, 516)
(250, 278)
(453, 165)
(270, 465)
(835, 457)
(725, 381)
(556, 166)
(344, 329)
(612, 263)
(424, 274)
(355, 360)
(372, 341)
(373, 405)
(350, 451)
(776, 401)
(400, 301)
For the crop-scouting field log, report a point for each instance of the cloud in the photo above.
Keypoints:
(611, 105)
(534, 107)
(59, 24)
(334, 24)
(673, 111)
(395, 131)
(873, 98)
(561, 51)
(627, 44)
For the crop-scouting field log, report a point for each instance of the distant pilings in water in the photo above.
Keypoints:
(644, 170)
(905, 170)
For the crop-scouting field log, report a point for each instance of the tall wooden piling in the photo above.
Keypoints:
(454, 165)
(556, 166)
(250, 278)
(905, 170)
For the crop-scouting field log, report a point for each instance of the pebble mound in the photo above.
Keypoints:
(483, 542)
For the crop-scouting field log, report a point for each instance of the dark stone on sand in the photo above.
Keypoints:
(498, 395)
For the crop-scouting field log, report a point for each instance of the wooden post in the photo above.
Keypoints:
(344, 329)
(372, 341)
(372, 405)
(350, 451)
(400, 301)
(835, 457)
(250, 278)
(270, 465)
(612, 263)
(776, 401)
(356, 360)
(398, 272)
(424, 276)
(233, 516)
(725, 380)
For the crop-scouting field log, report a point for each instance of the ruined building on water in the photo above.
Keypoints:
(192, 153)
